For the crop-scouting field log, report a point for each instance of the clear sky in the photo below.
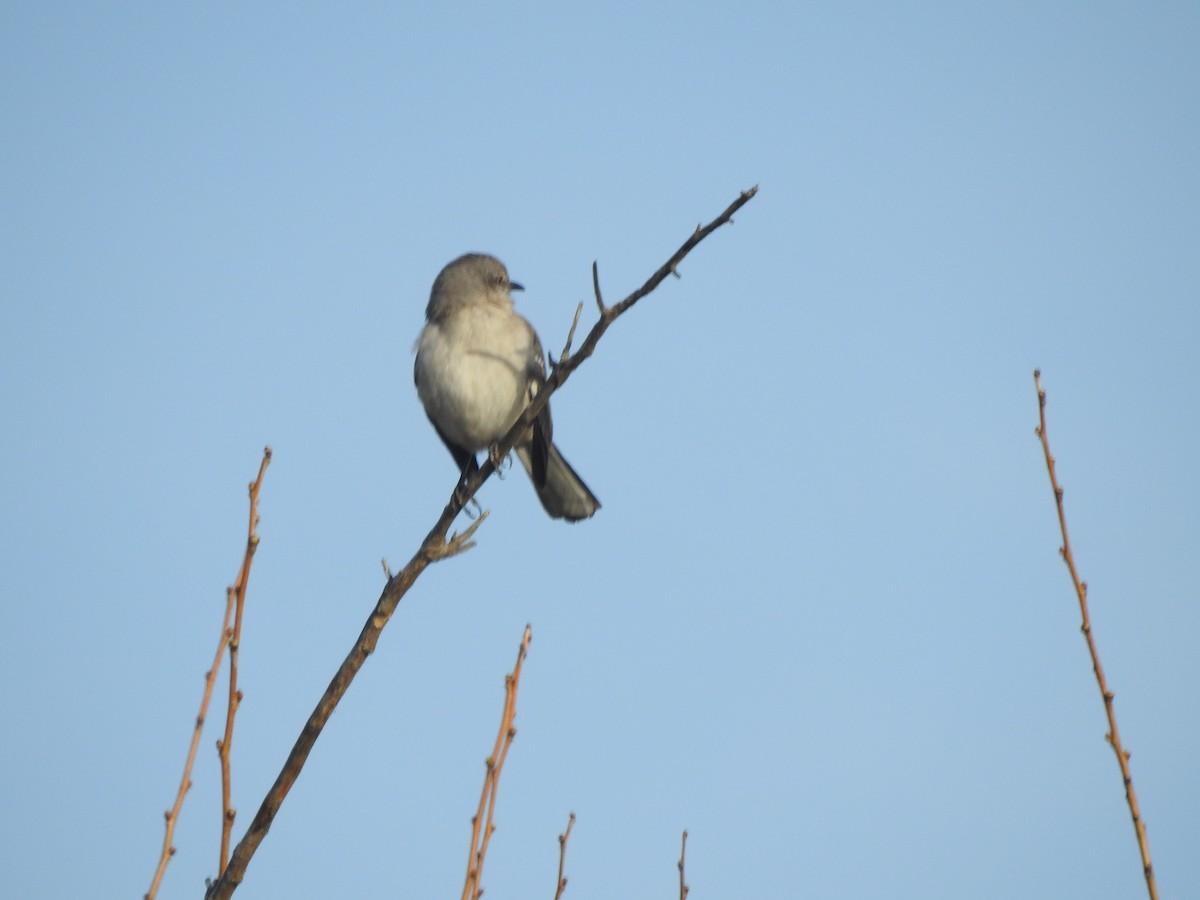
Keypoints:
(820, 621)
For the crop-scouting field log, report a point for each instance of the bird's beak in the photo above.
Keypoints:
(516, 286)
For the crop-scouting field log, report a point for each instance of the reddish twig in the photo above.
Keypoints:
(235, 637)
(1113, 737)
(172, 815)
(562, 857)
(683, 888)
(482, 826)
(435, 547)
(210, 677)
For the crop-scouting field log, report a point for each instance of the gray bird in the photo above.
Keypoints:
(479, 364)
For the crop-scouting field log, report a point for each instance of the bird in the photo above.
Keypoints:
(479, 365)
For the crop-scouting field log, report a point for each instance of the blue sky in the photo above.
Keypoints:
(820, 622)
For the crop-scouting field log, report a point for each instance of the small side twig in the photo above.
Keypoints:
(228, 813)
(566, 351)
(482, 826)
(456, 543)
(210, 677)
(683, 888)
(1113, 737)
(562, 857)
(596, 288)
(185, 784)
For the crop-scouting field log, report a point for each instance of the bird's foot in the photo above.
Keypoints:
(499, 463)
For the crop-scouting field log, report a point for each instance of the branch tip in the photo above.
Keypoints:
(1112, 736)
(683, 888)
(566, 351)
(562, 856)
(596, 287)
(234, 599)
(472, 888)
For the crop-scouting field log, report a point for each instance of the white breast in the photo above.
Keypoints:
(472, 374)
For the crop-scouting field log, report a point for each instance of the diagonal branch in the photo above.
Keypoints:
(1113, 737)
(435, 546)
(562, 370)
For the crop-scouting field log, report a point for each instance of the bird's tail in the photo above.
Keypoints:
(563, 493)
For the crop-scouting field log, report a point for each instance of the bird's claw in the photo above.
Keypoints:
(498, 461)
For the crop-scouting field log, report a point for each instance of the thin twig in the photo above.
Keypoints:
(210, 677)
(482, 825)
(596, 287)
(431, 550)
(566, 350)
(1113, 737)
(683, 888)
(562, 857)
(185, 784)
(457, 543)
(228, 813)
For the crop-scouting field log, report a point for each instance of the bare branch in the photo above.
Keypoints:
(683, 888)
(235, 696)
(457, 543)
(432, 549)
(562, 857)
(482, 826)
(172, 816)
(596, 287)
(1113, 737)
(566, 351)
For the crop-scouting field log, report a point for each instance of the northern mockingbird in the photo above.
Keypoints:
(479, 364)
